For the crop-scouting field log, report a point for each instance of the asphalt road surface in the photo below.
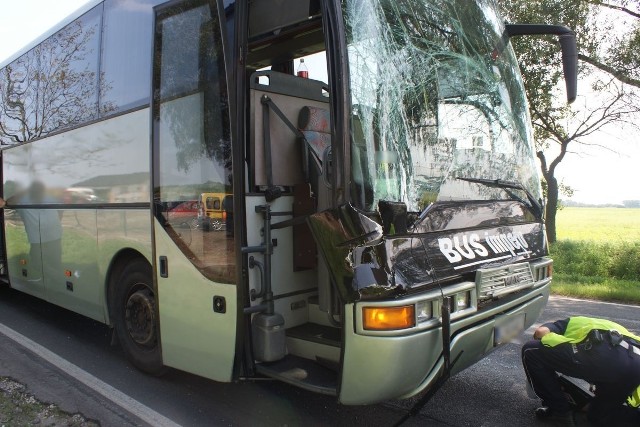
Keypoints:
(80, 371)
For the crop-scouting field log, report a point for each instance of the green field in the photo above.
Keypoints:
(597, 255)
(599, 224)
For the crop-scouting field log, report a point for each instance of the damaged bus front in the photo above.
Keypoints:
(441, 254)
(383, 214)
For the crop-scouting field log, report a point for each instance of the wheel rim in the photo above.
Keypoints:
(140, 316)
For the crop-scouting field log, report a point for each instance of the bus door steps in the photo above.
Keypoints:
(319, 343)
(317, 333)
(303, 373)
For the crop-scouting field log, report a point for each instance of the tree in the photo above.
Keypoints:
(557, 126)
(618, 54)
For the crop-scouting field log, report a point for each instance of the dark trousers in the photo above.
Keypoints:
(615, 371)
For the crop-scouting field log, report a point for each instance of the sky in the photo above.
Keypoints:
(597, 175)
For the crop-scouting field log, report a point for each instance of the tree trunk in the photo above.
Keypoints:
(552, 207)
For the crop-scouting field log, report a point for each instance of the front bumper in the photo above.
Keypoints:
(377, 368)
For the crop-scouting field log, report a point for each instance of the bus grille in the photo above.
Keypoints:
(496, 282)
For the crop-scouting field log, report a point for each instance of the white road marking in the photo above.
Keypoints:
(126, 402)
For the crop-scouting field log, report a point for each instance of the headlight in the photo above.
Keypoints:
(424, 311)
(462, 301)
(388, 318)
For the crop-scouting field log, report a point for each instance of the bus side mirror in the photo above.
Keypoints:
(567, 43)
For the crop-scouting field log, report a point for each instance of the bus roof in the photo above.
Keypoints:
(60, 25)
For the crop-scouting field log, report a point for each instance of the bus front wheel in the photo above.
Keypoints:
(136, 320)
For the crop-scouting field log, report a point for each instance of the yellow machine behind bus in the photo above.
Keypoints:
(383, 209)
(215, 210)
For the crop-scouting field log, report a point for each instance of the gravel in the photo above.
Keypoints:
(19, 408)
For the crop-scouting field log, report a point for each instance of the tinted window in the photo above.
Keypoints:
(55, 85)
(192, 145)
(69, 63)
(126, 54)
(181, 68)
(18, 94)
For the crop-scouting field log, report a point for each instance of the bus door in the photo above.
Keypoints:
(196, 283)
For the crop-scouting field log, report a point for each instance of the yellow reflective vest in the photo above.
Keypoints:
(577, 331)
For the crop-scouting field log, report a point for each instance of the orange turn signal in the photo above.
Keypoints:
(388, 318)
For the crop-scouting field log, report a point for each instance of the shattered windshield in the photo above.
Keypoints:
(436, 97)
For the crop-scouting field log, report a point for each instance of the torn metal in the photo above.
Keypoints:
(366, 263)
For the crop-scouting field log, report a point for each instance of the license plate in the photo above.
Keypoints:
(507, 328)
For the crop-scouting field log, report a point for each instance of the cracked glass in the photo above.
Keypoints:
(436, 96)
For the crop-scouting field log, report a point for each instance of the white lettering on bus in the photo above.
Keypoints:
(470, 245)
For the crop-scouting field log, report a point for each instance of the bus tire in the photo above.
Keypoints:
(135, 318)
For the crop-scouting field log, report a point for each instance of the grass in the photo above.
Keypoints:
(597, 255)
(596, 288)
(599, 224)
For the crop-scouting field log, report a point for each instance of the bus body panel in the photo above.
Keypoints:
(194, 337)
(70, 265)
(63, 255)
(377, 368)
(72, 271)
(120, 230)
(24, 265)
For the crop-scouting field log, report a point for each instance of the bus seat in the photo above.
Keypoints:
(289, 94)
(314, 123)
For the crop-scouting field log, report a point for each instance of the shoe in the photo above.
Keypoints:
(554, 418)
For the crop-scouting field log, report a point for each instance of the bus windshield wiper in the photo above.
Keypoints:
(534, 204)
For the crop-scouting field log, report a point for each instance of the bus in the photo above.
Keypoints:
(387, 226)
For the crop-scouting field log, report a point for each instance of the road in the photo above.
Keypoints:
(491, 393)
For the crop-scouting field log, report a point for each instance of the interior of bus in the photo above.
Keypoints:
(288, 154)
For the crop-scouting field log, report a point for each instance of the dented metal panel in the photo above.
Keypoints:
(454, 240)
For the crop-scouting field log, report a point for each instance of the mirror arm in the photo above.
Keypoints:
(567, 43)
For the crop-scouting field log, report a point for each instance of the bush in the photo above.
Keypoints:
(620, 260)
(596, 288)
(626, 262)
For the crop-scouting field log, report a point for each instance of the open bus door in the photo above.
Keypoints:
(195, 277)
